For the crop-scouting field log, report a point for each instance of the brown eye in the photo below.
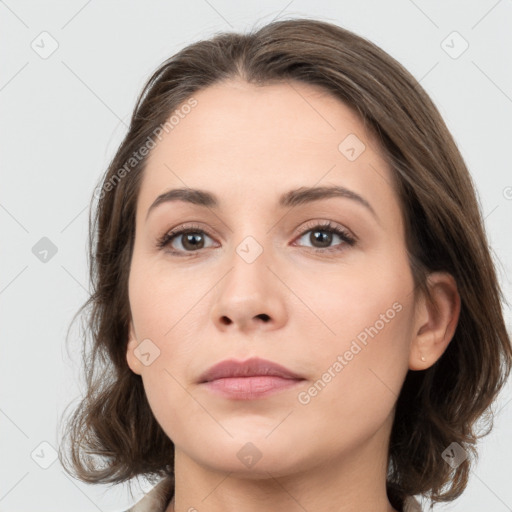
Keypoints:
(322, 236)
(184, 240)
(192, 241)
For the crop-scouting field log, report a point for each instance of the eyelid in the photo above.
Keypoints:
(181, 229)
(345, 234)
(328, 225)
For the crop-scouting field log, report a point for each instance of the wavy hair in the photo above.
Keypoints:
(112, 433)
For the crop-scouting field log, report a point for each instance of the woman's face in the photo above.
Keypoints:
(260, 279)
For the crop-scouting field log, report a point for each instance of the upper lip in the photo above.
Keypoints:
(249, 368)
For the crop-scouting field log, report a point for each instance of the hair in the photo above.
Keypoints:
(444, 232)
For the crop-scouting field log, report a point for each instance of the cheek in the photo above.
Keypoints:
(358, 384)
(167, 387)
(160, 296)
(168, 403)
(366, 332)
(367, 302)
(163, 311)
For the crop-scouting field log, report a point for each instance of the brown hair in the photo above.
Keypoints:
(444, 232)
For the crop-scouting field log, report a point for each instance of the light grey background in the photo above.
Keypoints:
(62, 118)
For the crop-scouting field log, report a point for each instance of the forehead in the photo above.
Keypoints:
(264, 117)
(246, 141)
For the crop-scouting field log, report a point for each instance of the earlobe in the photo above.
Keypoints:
(133, 361)
(436, 322)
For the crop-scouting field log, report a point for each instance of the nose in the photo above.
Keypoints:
(250, 297)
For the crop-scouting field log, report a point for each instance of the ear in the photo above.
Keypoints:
(435, 322)
(133, 362)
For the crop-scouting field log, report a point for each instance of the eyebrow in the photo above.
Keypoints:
(288, 199)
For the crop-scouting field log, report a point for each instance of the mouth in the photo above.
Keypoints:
(254, 367)
(247, 380)
(250, 388)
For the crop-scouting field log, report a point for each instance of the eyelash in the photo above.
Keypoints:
(348, 239)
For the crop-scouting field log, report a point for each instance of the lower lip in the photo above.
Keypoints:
(250, 388)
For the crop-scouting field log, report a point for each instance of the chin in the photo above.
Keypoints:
(251, 453)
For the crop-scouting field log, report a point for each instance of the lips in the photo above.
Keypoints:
(253, 367)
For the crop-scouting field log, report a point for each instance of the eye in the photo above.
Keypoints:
(190, 238)
(321, 236)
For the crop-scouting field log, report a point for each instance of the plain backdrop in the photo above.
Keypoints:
(69, 76)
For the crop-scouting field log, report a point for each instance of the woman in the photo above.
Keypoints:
(295, 306)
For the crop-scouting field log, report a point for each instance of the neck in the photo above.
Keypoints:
(350, 482)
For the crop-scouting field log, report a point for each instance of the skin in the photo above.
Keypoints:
(248, 145)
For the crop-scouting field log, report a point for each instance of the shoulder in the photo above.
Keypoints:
(157, 499)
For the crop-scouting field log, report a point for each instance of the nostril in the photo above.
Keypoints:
(264, 317)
